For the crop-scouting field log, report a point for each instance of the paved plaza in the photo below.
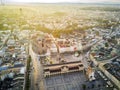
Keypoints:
(73, 81)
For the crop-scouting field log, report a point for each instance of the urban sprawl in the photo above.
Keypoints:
(60, 47)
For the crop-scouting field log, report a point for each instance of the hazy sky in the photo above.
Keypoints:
(53, 1)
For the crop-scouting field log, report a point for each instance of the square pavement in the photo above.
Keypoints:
(72, 81)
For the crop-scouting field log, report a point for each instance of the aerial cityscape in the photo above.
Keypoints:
(60, 45)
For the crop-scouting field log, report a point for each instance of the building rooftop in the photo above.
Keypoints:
(114, 68)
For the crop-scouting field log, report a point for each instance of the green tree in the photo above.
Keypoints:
(106, 45)
(84, 86)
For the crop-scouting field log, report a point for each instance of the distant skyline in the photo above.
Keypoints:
(69, 1)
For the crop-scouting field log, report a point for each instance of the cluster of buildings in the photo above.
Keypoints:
(13, 56)
(113, 68)
(60, 56)
(56, 51)
(104, 51)
(105, 55)
(108, 47)
(69, 18)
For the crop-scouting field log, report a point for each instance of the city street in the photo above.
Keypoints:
(36, 77)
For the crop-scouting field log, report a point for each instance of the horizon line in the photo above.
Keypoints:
(62, 3)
